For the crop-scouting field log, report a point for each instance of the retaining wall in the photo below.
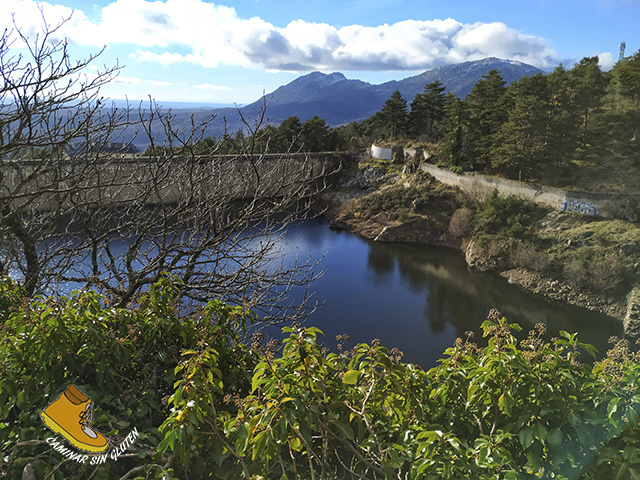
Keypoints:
(608, 205)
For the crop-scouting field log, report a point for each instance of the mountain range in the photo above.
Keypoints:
(340, 100)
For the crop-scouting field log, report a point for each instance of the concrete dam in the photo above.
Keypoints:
(45, 185)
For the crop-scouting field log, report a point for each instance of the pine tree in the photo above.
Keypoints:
(316, 135)
(563, 125)
(521, 143)
(394, 114)
(487, 113)
(427, 110)
(454, 148)
(589, 84)
(627, 77)
(289, 133)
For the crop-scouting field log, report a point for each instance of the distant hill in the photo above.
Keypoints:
(340, 100)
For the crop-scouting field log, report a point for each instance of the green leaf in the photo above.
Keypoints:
(295, 443)
(505, 402)
(430, 435)
(526, 437)
(259, 444)
(540, 432)
(612, 407)
(471, 392)
(345, 429)
(454, 442)
(584, 436)
(555, 437)
(351, 377)
(256, 380)
(632, 415)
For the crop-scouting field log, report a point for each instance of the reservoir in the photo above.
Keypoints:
(420, 298)
(417, 298)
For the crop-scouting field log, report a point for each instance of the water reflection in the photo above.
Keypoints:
(381, 264)
(420, 299)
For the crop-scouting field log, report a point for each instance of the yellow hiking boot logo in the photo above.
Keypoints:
(70, 416)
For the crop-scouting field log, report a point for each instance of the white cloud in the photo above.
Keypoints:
(482, 40)
(164, 58)
(209, 35)
(28, 16)
(606, 61)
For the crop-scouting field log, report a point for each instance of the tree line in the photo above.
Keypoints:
(537, 121)
(541, 121)
(291, 136)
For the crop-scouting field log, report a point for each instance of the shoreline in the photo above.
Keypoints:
(420, 232)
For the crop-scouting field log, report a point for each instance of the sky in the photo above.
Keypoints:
(230, 51)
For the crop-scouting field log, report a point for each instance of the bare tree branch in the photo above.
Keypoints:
(76, 210)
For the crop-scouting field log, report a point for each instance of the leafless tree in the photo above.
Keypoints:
(77, 211)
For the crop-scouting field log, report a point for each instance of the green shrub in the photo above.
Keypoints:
(398, 197)
(508, 410)
(123, 359)
(393, 199)
(506, 216)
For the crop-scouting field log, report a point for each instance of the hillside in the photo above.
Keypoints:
(340, 100)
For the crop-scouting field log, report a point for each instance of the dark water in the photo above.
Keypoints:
(420, 298)
(416, 298)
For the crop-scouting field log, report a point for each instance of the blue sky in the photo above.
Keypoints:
(231, 51)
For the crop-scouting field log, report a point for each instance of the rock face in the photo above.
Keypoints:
(371, 177)
(631, 211)
(538, 284)
(480, 260)
(476, 258)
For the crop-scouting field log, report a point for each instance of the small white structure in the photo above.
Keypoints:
(381, 153)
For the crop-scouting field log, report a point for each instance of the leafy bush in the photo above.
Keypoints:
(123, 359)
(509, 410)
(422, 193)
(392, 199)
(506, 216)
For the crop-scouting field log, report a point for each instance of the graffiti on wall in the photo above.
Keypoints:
(579, 207)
